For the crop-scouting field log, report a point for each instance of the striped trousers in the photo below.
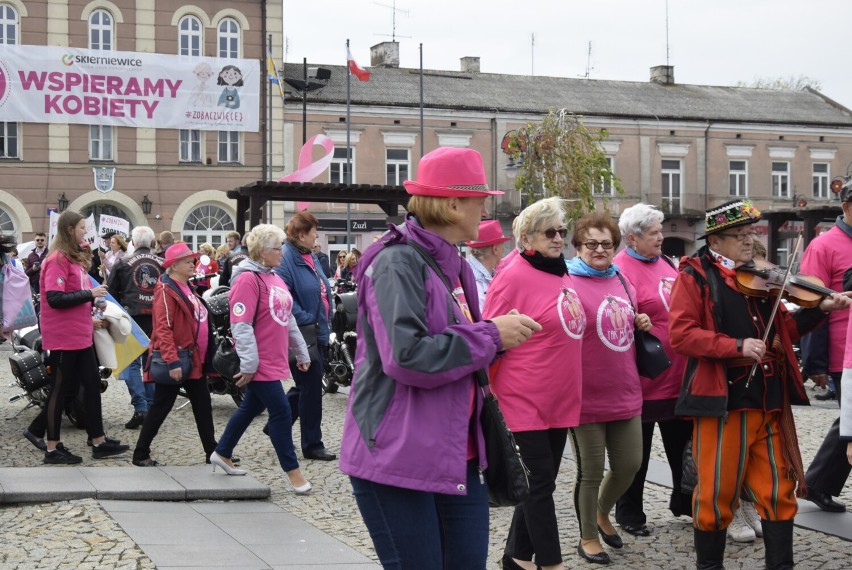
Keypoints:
(740, 451)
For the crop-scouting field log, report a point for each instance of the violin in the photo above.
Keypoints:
(760, 278)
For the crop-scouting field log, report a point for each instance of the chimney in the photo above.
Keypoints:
(662, 74)
(385, 54)
(470, 65)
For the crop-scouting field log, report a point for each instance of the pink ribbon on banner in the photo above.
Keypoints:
(308, 169)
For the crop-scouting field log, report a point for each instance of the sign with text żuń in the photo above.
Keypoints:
(47, 84)
(110, 225)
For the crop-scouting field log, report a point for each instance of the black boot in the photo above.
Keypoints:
(778, 542)
(710, 549)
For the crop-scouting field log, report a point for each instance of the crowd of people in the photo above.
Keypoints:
(556, 336)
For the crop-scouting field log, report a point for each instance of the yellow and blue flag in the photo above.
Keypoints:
(137, 341)
(272, 74)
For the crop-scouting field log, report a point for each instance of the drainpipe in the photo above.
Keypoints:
(706, 163)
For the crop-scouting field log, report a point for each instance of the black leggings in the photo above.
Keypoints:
(71, 368)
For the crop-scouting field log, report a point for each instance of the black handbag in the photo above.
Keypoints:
(158, 368)
(507, 476)
(651, 357)
(309, 333)
(225, 360)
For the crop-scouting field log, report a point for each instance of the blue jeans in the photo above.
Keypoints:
(306, 402)
(418, 530)
(141, 394)
(261, 396)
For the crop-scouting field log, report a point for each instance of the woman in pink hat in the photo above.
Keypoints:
(412, 444)
(485, 253)
(180, 322)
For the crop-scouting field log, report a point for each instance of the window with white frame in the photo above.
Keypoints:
(100, 142)
(671, 184)
(337, 170)
(7, 224)
(101, 30)
(821, 179)
(229, 146)
(8, 140)
(189, 36)
(207, 223)
(397, 165)
(781, 179)
(737, 170)
(229, 39)
(8, 25)
(190, 145)
(605, 186)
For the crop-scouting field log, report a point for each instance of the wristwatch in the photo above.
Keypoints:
(739, 345)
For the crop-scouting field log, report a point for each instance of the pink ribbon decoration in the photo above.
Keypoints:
(308, 169)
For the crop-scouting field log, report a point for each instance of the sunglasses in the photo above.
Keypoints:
(551, 233)
(593, 245)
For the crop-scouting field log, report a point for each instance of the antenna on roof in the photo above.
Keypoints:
(589, 67)
(532, 54)
(667, 32)
(394, 10)
(286, 47)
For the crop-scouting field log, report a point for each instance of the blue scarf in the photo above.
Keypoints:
(576, 266)
(636, 255)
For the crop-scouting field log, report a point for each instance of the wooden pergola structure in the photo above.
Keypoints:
(252, 198)
(811, 216)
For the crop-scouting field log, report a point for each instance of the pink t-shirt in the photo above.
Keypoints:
(200, 310)
(69, 328)
(828, 256)
(271, 325)
(611, 387)
(653, 283)
(538, 383)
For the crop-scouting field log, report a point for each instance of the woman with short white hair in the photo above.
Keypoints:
(653, 274)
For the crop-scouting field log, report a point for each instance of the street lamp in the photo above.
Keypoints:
(62, 202)
(146, 205)
(313, 78)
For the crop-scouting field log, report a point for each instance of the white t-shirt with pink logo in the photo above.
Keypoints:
(271, 332)
(611, 388)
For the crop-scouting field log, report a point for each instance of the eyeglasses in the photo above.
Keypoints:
(739, 237)
(593, 245)
(551, 233)
(278, 249)
(341, 257)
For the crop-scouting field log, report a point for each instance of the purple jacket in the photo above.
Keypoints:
(409, 407)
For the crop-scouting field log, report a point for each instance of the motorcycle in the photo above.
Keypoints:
(339, 362)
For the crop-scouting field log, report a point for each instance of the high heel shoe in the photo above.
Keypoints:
(302, 489)
(218, 460)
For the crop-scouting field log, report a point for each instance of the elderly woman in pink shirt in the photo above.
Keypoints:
(538, 383)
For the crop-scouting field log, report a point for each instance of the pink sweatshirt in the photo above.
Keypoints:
(653, 282)
(828, 256)
(611, 387)
(69, 328)
(538, 383)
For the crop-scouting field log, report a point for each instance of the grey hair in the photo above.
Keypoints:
(142, 236)
(638, 219)
(542, 215)
(263, 236)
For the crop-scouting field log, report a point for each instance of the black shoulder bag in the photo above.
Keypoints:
(651, 357)
(507, 475)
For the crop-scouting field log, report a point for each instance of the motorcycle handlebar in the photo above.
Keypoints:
(197, 277)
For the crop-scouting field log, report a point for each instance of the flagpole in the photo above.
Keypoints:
(422, 142)
(348, 152)
(269, 136)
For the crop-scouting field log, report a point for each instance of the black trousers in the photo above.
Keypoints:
(830, 468)
(72, 368)
(164, 399)
(534, 531)
(674, 433)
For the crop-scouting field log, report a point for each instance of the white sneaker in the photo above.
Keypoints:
(751, 517)
(739, 530)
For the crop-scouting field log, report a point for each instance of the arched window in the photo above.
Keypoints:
(189, 36)
(8, 25)
(101, 30)
(207, 223)
(7, 224)
(229, 39)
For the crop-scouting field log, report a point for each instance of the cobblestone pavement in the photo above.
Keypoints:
(81, 535)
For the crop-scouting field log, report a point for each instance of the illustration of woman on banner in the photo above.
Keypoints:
(231, 77)
(200, 97)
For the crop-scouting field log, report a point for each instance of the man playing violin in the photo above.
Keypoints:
(743, 430)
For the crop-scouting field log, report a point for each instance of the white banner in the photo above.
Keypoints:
(110, 225)
(47, 84)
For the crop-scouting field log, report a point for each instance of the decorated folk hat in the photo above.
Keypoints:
(177, 251)
(729, 215)
(449, 172)
(490, 233)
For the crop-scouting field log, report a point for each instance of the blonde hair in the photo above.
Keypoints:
(261, 237)
(350, 260)
(222, 251)
(206, 249)
(434, 211)
(539, 216)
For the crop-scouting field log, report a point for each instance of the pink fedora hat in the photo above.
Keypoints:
(177, 251)
(449, 172)
(490, 233)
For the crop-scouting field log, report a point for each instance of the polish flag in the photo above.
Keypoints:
(361, 74)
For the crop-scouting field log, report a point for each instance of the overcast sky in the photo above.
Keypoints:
(711, 42)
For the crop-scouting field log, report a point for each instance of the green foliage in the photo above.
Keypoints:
(559, 156)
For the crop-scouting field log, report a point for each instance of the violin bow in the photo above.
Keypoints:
(787, 276)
